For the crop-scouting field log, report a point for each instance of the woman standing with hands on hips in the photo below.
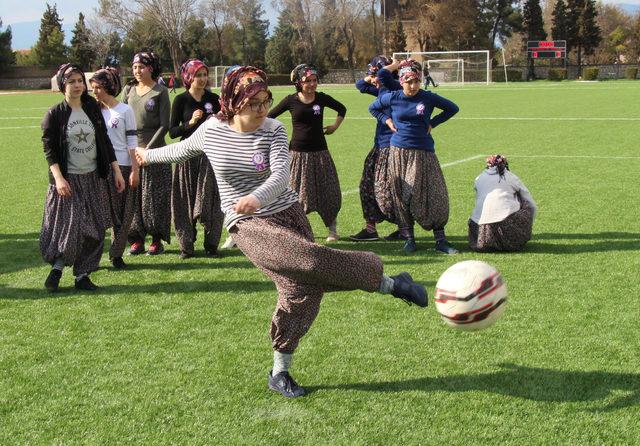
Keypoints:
(194, 195)
(80, 157)
(152, 108)
(313, 173)
(249, 155)
(415, 178)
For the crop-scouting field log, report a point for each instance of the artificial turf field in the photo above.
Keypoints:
(177, 352)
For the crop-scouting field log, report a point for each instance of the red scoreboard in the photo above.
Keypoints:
(540, 49)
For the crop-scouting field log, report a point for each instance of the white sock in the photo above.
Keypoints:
(281, 362)
(386, 285)
(58, 264)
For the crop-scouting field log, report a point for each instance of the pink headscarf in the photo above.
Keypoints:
(240, 84)
(189, 69)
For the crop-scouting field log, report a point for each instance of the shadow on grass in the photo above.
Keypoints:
(239, 287)
(530, 383)
(19, 251)
(584, 243)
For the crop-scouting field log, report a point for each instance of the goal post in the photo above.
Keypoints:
(218, 75)
(454, 67)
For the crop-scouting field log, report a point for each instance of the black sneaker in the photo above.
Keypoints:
(406, 289)
(118, 263)
(365, 236)
(445, 247)
(395, 236)
(211, 253)
(85, 284)
(410, 246)
(53, 280)
(284, 384)
(185, 255)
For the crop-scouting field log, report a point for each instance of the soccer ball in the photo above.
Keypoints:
(471, 295)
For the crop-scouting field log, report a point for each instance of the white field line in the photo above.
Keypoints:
(496, 118)
(452, 163)
(596, 157)
(22, 127)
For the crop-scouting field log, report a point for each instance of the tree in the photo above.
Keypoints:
(396, 38)
(80, 51)
(253, 32)
(278, 56)
(583, 31)
(7, 56)
(105, 43)
(499, 19)
(217, 14)
(349, 11)
(532, 27)
(634, 39)
(50, 50)
(330, 39)
(169, 19)
(560, 27)
(616, 43)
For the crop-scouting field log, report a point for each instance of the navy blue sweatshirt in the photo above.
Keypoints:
(412, 117)
(387, 84)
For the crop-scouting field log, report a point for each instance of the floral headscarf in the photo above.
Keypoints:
(240, 84)
(189, 69)
(409, 69)
(301, 73)
(499, 162)
(109, 79)
(376, 64)
(65, 71)
(150, 59)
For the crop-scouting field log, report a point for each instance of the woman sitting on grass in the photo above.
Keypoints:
(250, 157)
(504, 212)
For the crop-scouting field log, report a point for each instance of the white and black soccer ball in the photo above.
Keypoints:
(471, 295)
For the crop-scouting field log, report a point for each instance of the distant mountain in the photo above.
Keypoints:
(629, 8)
(25, 34)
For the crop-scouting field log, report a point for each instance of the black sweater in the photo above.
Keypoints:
(308, 133)
(54, 136)
(182, 110)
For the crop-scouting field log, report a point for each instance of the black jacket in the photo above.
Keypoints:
(54, 130)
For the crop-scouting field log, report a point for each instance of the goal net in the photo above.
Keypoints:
(218, 75)
(453, 67)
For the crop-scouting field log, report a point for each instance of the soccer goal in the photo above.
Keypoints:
(218, 75)
(454, 67)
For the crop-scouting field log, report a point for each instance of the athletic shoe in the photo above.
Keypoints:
(406, 289)
(155, 248)
(136, 248)
(332, 237)
(118, 263)
(284, 384)
(410, 246)
(228, 243)
(53, 280)
(365, 236)
(395, 236)
(211, 253)
(445, 247)
(85, 284)
(185, 255)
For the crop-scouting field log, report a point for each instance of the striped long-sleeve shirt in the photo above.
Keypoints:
(244, 163)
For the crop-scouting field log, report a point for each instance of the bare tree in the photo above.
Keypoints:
(349, 11)
(216, 14)
(171, 17)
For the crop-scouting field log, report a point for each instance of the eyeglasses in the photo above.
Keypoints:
(255, 106)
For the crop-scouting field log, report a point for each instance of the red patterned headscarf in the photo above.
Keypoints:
(240, 84)
(499, 162)
(408, 70)
(189, 69)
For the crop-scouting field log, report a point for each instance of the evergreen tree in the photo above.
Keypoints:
(560, 28)
(532, 27)
(80, 51)
(583, 32)
(278, 56)
(396, 38)
(7, 57)
(49, 50)
(253, 34)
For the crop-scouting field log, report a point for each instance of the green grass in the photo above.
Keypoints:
(177, 352)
